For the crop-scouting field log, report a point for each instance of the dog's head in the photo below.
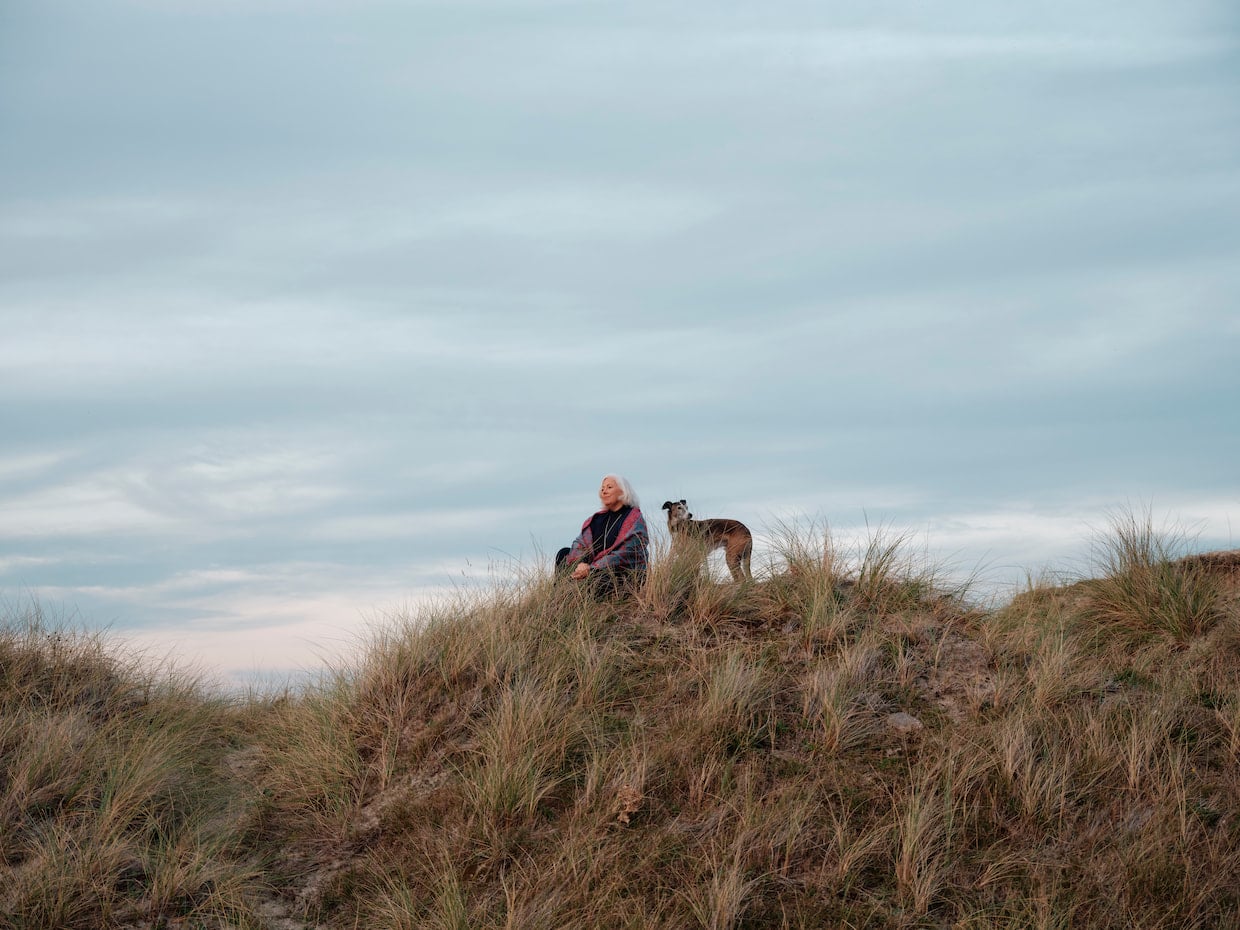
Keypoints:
(677, 512)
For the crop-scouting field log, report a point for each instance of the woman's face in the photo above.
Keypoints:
(610, 494)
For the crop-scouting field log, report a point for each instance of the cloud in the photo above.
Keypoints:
(13, 565)
(287, 638)
(14, 468)
(86, 509)
(840, 50)
(997, 551)
(368, 312)
(261, 625)
(569, 213)
(422, 524)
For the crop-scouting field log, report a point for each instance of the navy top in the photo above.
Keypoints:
(605, 527)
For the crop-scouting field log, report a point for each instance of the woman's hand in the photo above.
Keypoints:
(580, 570)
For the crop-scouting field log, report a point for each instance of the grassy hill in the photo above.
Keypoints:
(820, 748)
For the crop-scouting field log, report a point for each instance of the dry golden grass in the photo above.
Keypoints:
(116, 802)
(1147, 587)
(702, 755)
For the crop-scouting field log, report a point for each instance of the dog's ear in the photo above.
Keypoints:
(682, 500)
(667, 505)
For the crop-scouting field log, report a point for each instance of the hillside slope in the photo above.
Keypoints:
(820, 748)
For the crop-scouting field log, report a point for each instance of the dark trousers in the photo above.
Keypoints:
(604, 584)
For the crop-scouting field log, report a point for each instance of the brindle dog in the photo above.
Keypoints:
(732, 536)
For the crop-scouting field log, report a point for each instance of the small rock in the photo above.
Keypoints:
(904, 723)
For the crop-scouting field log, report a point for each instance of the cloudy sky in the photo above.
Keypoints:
(312, 308)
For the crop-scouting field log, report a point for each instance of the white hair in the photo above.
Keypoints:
(627, 494)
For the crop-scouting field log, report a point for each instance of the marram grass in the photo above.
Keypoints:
(826, 746)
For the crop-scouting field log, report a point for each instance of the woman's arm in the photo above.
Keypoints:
(581, 545)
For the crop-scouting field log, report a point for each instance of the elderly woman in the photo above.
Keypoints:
(610, 552)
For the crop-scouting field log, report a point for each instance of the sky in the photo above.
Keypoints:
(313, 311)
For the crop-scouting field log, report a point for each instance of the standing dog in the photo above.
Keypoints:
(732, 536)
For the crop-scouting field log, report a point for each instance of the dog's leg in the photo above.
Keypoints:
(739, 552)
(735, 558)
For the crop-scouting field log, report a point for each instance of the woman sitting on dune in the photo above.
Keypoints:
(611, 551)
